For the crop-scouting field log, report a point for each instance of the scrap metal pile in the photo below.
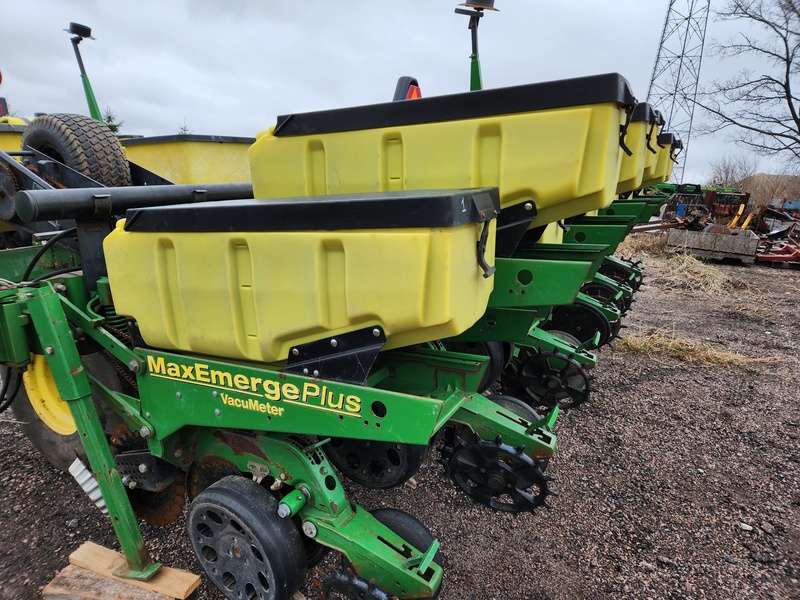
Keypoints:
(714, 223)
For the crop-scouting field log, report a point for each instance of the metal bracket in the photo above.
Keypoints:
(141, 470)
(512, 224)
(347, 358)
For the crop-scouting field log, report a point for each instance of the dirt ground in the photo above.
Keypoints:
(675, 480)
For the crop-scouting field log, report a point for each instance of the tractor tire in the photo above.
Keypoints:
(45, 418)
(81, 143)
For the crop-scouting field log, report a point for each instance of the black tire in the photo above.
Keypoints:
(375, 465)
(243, 546)
(81, 143)
(516, 406)
(61, 450)
(411, 530)
(494, 350)
(582, 321)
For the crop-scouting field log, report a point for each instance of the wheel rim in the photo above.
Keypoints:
(552, 379)
(243, 546)
(44, 397)
(377, 465)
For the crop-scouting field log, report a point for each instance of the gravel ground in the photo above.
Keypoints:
(676, 480)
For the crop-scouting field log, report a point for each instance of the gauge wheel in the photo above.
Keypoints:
(244, 547)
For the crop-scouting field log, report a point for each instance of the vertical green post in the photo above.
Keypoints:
(94, 109)
(475, 80)
(72, 382)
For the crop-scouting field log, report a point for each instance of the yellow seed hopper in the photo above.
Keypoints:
(252, 279)
(554, 143)
(184, 159)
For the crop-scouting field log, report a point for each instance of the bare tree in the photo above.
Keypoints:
(733, 169)
(765, 189)
(760, 111)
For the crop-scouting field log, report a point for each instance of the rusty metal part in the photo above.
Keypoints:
(206, 471)
(783, 253)
(156, 508)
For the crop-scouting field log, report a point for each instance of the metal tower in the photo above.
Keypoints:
(676, 73)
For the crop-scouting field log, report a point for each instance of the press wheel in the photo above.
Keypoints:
(244, 547)
(376, 465)
(582, 321)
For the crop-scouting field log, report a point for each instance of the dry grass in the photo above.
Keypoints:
(660, 342)
(638, 245)
(685, 272)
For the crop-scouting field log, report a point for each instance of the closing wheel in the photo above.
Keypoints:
(45, 418)
(606, 293)
(582, 321)
(494, 350)
(551, 379)
(499, 476)
(521, 409)
(622, 274)
(81, 143)
(376, 465)
(346, 584)
(245, 548)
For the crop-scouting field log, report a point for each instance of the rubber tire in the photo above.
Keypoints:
(254, 510)
(516, 406)
(340, 452)
(411, 530)
(61, 450)
(81, 143)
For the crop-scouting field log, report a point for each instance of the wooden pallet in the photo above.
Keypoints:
(90, 576)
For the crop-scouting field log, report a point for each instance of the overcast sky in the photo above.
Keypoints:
(230, 67)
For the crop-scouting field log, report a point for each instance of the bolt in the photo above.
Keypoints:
(305, 371)
(142, 468)
(178, 395)
(376, 332)
(147, 414)
(284, 511)
(316, 373)
(528, 206)
(178, 453)
(334, 343)
(132, 485)
(295, 352)
(133, 365)
(126, 480)
(283, 476)
(60, 287)
(310, 529)
(215, 394)
(49, 350)
(144, 431)
(217, 412)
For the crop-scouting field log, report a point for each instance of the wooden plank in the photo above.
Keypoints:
(77, 583)
(173, 583)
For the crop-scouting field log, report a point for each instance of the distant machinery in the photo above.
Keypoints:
(676, 73)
